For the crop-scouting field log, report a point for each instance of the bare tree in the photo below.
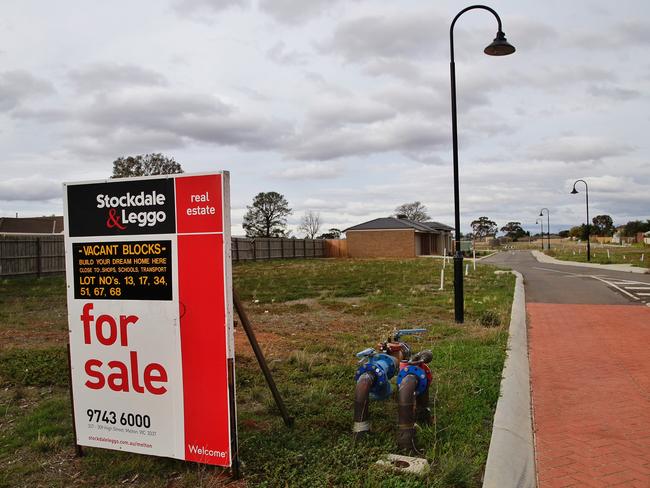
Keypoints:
(413, 211)
(310, 224)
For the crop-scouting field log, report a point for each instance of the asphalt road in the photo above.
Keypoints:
(553, 283)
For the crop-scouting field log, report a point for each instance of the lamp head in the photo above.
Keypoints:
(574, 191)
(500, 46)
(541, 214)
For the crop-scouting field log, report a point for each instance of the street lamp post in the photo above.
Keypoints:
(548, 226)
(541, 230)
(498, 47)
(573, 192)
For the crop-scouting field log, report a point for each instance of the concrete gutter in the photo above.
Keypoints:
(543, 258)
(511, 457)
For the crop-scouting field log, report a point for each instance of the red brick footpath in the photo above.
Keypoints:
(590, 376)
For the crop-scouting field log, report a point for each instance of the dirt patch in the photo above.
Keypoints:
(32, 338)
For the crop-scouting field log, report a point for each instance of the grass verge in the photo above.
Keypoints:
(311, 316)
(634, 255)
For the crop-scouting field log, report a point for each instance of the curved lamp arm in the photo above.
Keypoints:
(451, 29)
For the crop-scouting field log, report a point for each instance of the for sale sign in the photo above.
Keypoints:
(150, 315)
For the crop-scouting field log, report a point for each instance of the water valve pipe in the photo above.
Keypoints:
(413, 383)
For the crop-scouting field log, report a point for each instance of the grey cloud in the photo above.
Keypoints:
(340, 112)
(613, 92)
(294, 11)
(18, 86)
(252, 94)
(45, 115)
(578, 149)
(527, 34)
(555, 76)
(171, 119)
(362, 39)
(392, 135)
(325, 85)
(625, 34)
(185, 7)
(105, 76)
(32, 188)
(150, 108)
(112, 143)
(396, 68)
(309, 171)
(280, 55)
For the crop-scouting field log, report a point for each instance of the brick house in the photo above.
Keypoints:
(398, 237)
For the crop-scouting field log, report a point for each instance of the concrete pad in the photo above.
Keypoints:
(405, 464)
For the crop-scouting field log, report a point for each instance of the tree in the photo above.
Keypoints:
(563, 233)
(413, 211)
(603, 225)
(310, 224)
(267, 216)
(579, 232)
(332, 233)
(633, 227)
(483, 227)
(145, 165)
(513, 230)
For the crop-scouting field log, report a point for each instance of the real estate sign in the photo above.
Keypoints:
(148, 271)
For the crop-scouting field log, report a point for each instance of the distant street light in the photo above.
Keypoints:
(548, 226)
(498, 47)
(573, 192)
(541, 230)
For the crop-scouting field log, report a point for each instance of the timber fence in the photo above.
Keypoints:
(45, 254)
(31, 255)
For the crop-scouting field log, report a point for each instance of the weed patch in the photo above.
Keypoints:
(34, 367)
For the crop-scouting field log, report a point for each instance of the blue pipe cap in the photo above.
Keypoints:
(419, 373)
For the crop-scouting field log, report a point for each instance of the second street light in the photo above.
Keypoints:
(573, 192)
(498, 47)
(548, 227)
(541, 230)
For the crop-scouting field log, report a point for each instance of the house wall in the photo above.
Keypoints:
(381, 243)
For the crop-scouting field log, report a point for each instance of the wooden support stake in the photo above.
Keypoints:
(250, 333)
(78, 450)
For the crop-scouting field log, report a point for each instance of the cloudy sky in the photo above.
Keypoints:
(342, 106)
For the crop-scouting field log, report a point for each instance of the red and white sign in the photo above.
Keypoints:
(150, 315)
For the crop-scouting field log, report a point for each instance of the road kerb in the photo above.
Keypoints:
(511, 456)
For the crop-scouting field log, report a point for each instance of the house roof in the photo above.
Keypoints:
(390, 223)
(31, 225)
(438, 226)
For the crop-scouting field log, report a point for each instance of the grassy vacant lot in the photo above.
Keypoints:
(617, 254)
(311, 317)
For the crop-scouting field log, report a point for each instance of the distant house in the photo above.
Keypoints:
(31, 225)
(398, 237)
(646, 237)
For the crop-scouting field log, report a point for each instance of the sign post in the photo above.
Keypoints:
(149, 285)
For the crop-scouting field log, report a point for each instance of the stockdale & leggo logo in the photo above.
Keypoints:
(117, 206)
